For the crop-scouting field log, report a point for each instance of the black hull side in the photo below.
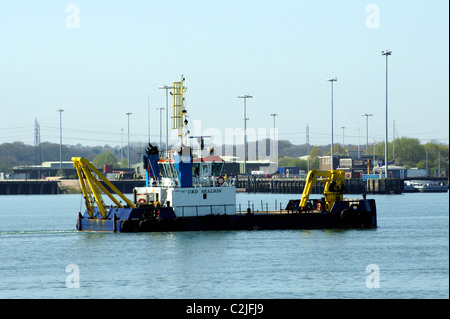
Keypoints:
(361, 215)
(254, 222)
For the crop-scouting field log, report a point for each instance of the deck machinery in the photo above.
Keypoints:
(184, 192)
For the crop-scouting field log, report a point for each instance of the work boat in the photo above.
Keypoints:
(184, 192)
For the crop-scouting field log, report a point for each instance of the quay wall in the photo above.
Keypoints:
(249, 184)
(45, 187)
(30, 187)
(252, 184)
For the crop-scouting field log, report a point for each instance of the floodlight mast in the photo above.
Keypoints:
(245, 97)
(386, 53)
(332, 136)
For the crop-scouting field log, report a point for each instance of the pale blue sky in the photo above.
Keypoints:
(281, 52)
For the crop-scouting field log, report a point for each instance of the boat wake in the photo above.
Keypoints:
(36, 232)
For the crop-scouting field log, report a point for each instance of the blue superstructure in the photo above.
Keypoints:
(183, 164)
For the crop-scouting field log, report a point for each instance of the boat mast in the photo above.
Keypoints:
(178, 107)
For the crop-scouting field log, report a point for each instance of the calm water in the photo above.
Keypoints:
(410, 249)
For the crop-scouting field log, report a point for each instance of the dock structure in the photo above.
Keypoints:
(55, 187)
(384, 186)
(29, 187)
(248, 184)
(253, 184)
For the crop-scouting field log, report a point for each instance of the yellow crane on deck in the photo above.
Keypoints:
(333, 191)
(91, 186)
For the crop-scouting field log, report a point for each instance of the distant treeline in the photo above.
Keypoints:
(408, 152)
(18, 153)
(404, 151)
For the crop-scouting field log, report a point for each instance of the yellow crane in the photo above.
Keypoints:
(334, 187)
(91, 186)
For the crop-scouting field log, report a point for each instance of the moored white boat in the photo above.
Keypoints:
(431, 187)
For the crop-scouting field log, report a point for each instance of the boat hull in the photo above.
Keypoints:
(432, 189)
(139, 220)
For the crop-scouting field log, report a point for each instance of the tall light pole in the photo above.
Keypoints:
(367, 127)
(245, 97)
(332, 138)
(60, 137)
(343, 134)
(386, 53)
(148, 117)
(274, 115)
(393, 142)
(439, 164)
(307, 144)
(128, 147)
(160, 109)
(121, 150)
(167, 88)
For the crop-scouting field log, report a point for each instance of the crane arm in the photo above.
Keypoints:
(334, 186)
(311, 179)
(84, 167)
